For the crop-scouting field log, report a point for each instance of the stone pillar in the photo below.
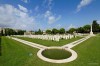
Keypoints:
(91, 32)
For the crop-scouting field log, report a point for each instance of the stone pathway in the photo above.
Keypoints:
(71, 58)
(42, 48)
(70, 45)
(29, 43)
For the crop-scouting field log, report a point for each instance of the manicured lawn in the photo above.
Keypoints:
(57, 54)
(49, 42)
(88, 53)
(17, 54)
(0, 45)
(98, 34)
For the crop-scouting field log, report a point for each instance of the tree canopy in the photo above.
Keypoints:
(83, 29)
(62, 31)
(39, 32)
(55, 31)
(48, 31)
(95, 26)
(86, 28)
(71, 30)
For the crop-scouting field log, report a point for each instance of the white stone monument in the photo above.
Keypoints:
(91, 32)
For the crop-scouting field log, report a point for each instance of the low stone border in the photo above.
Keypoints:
(73, 56)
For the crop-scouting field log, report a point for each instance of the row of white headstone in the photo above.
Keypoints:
(49, 37)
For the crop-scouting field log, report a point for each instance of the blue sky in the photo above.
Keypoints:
(48, 14)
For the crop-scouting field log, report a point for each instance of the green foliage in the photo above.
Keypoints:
(62, 31)
(86, 28)
(99, 27)
(95, 26)
(48, 31)
(80, 30)
(55, 31)
(20, 32)
(1, 33)
(71, 30)
(9, 31)
(38, 32)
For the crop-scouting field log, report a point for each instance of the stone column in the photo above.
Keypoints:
(91, 32)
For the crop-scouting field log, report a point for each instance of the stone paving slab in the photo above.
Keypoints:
(29, 43)
(70, 45)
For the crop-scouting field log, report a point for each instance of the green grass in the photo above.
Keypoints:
(49, 42)
(98, 34)
(17, 54)
(57, 54)
(0, 45)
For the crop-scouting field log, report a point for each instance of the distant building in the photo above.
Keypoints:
(44, 32)
(29, 33)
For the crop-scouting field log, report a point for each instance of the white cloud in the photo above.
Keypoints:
(47, 4)
(47, 14)
(51, 18)
(15, 18)
(22, 8)
(71, 26)
(82, 4)
(36, 8)
(25, 1)
(50, 4)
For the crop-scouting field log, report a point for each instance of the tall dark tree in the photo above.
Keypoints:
(2, 33)
(62, 31)
(99, 27)
(39, 32)
(95, 26)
